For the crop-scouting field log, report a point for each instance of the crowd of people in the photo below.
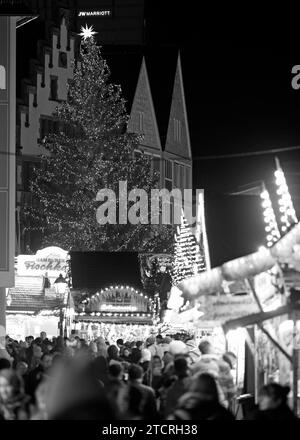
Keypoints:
(161, 378)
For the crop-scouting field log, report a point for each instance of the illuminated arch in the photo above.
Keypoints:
(118, 301)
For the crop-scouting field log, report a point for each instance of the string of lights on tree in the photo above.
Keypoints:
(188, 260)
(89, 151)
(288, 216)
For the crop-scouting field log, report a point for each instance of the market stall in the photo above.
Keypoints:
(36, 303)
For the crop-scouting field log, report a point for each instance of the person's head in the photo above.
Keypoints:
(230, 358)
(21, 368)
(29, 339)
(11, 385)
(205, 386)
(43, 336)
(115, 371)
(113, 352)
(150, 341)
(205, 347)
(180, 367)
(167, 358)
(135, 373)
(126, 352)
(156, 362)
(120, 342)
(46, 361)
(37, 351)
(272, 396)
(93, 347)
(139, 345)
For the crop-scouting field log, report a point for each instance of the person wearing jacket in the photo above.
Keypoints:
(201, 402)
(273, 403)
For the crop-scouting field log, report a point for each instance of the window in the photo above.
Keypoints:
(141, 122)
(177, 130)
(188, 178)
(156, 163)
(63, 60)
(168, 175)
(48, 126)
(53, 88)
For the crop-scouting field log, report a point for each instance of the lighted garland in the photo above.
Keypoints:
(250, 265)
(152, 304)
(187, 259)
(271, 226)
(288, 216)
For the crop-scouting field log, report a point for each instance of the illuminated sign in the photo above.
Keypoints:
(116, 308)
(98, 13)
(52, 260)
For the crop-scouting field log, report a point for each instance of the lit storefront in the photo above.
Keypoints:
(36, 303)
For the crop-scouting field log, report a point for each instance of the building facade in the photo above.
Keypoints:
(40, 95)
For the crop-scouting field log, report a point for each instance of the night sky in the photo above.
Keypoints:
(237, 79)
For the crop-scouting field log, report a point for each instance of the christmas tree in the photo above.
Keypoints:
(188, 260)
(90, 151)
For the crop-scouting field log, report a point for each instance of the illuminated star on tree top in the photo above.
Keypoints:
(87, 32)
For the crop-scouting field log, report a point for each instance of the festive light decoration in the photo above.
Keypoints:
(288, 216)
(148, 310)
(210, 282)
(87, 32)
(187, 258)
(271, 227)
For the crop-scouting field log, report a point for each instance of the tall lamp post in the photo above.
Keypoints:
(60, 285)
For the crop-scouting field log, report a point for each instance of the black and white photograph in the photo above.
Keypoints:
(149, 205)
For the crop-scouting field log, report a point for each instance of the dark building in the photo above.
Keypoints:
(116, 21)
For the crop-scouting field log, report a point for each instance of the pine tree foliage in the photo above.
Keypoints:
(91, 150)
(188, 260)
